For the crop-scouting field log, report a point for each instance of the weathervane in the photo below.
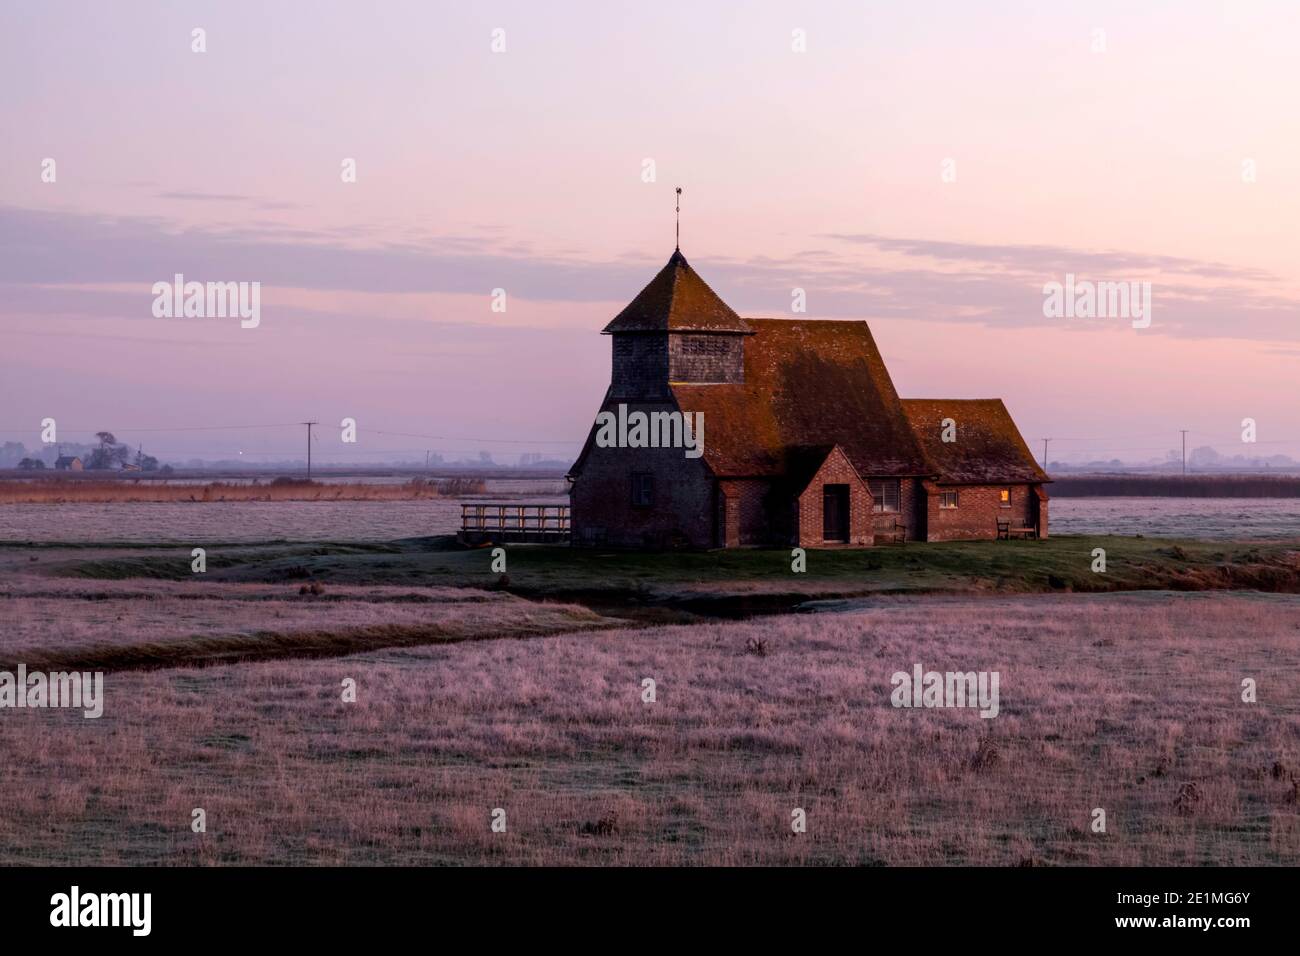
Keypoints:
(679, 218)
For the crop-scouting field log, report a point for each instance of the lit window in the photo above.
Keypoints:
(1004, 497)
(947, 499)
(884, 494)
(643, 489)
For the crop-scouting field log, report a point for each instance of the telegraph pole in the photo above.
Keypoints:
(309, 424)
(1045, 441)
(1184, 431)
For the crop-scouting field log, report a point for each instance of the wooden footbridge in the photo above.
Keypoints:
(504, 522)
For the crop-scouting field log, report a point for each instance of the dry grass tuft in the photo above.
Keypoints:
(1189, 797)
(605, 826)
(986, 757)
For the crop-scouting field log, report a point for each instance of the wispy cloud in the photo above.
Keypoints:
(997, 285)
(1047, 258)
(256, 202)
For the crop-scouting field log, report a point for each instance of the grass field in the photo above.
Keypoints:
(1129, 703)
(223, 691)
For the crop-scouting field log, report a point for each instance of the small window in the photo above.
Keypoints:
(947, 499)
(643, 489)
(884, 494)
(1004, 497)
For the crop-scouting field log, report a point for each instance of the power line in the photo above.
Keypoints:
(499, 441)
(19, 430)
(200, 428)
(172, 428)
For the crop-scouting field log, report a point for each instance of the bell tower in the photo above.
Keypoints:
(676, 330)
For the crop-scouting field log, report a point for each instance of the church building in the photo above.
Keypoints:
(804, 440)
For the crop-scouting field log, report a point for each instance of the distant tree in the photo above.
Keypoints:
(101, 459)
(31, 464)
(165, 470)
(109, 454)
(11, 453)
(145, 462)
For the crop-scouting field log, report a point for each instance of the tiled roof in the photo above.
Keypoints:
(807, 383)
(988, 447)
(677, 300)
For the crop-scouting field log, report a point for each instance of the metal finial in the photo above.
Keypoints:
(679, 218)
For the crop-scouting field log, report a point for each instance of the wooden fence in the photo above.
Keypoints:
(482, 521)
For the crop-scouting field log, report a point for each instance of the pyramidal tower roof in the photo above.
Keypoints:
(677, 300)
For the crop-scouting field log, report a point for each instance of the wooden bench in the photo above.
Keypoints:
(1006, 532)
(895, 535)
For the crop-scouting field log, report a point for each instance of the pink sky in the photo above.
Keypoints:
(523, 170)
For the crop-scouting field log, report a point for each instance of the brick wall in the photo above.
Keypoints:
(748, 503)
(810, 527)
(911, 510)
(978, 511)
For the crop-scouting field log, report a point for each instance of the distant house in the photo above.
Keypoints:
(806, 442)
(68, 463)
